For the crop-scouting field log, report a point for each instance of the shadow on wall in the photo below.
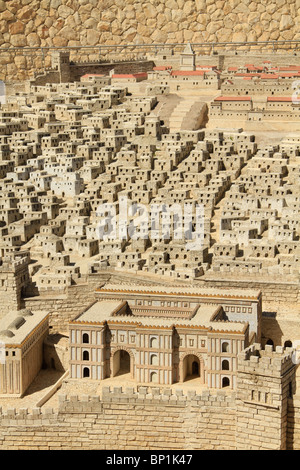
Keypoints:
(271, 331)
(56, 353)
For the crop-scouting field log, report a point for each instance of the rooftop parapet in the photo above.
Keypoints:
(144, 395)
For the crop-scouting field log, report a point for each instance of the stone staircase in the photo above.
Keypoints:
(180, 112)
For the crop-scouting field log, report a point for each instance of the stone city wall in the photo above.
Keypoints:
(125, 420)
(65, 23)
(141, 420)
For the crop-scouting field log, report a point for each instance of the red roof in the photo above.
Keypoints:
(130, 75)
(233, 98)
(279, 98)
(269, 76)
(187, 72)
(295, 74)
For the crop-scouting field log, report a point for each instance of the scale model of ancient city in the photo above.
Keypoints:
(149, 238)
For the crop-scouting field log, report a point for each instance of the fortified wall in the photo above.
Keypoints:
(262, 414)
(61, 23)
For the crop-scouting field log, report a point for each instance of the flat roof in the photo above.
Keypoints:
(16, 326)
(185, 291)
(279, 98)
(103, 311)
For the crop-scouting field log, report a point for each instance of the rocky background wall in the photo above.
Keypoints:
(63, 23)
(91, 22)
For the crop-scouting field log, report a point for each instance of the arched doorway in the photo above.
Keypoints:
(191, 368)
(121, 362)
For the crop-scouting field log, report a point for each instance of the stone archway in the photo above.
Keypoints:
(122, 362)
(191, 366)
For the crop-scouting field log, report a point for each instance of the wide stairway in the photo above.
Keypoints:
(179, 114)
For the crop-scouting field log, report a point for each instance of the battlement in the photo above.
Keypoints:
(145, 396)
(28, 417)
(267, 362)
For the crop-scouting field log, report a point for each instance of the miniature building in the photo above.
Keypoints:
(22, 334)
(164, 336)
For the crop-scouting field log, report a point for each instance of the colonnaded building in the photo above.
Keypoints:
(165, 336)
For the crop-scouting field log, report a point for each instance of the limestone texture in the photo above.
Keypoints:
(81, 22)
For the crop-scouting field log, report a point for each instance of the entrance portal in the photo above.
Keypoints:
(191, 367)
(121, 362)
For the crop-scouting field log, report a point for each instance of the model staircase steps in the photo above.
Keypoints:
(179, 114)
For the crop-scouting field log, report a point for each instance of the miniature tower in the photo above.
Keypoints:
(14, 276)
(61, 62)
(265, 381)
(187, 59)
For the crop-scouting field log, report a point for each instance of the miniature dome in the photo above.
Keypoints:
(7, 333)
(17, 323)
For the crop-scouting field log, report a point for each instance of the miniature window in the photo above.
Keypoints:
(225, 382)
(122, 337)
(85, 356)
(225, 364)
(225, 347)
(85, 338)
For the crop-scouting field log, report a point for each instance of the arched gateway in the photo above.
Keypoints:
(191, 367)
(121, 362)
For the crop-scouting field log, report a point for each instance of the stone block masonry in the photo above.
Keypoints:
(59, 23)
(151, 419)
(125, 419)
